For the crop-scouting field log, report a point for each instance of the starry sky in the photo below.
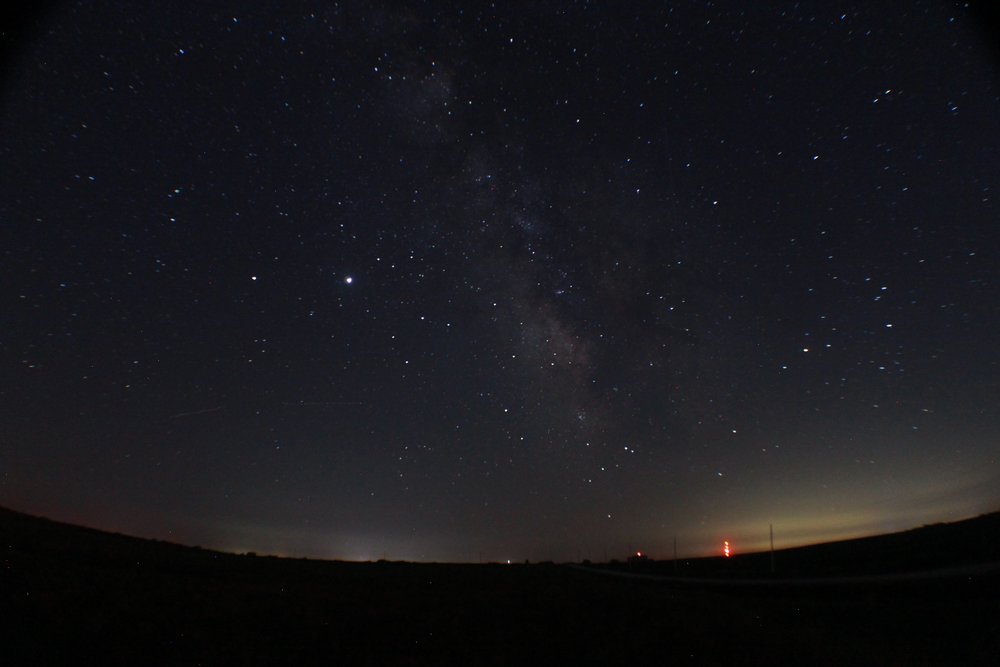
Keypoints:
(464, 281)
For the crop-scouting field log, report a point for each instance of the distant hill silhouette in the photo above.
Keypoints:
(931, 547)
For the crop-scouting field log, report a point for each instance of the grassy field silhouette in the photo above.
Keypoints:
(73, 595)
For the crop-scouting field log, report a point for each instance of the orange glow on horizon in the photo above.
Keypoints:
(725, 549)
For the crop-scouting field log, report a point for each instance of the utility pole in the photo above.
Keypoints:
(771, 526)
(675, 555)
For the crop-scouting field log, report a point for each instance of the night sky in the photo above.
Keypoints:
(448, 281)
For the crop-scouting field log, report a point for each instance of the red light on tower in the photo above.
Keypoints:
(725, 549)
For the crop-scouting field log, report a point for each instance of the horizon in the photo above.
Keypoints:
(739, 548)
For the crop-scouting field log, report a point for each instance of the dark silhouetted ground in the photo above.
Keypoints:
(71, 595)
